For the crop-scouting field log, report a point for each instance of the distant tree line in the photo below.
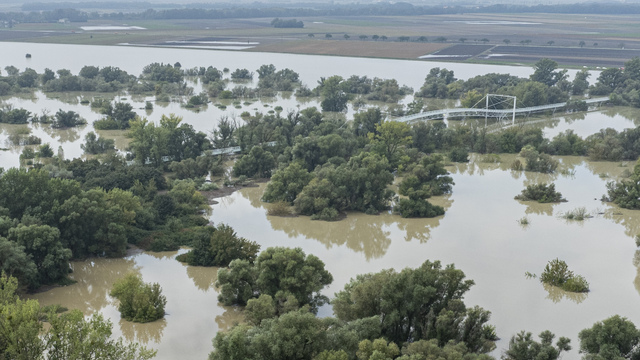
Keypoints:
(291, 23)
(45, 12)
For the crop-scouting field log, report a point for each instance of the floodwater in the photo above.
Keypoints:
(193, 316)
(479, 233)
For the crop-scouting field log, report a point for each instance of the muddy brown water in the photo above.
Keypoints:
(479, 233)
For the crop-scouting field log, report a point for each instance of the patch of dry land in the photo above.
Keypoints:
(382, 49)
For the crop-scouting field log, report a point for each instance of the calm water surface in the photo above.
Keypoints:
(479, 233)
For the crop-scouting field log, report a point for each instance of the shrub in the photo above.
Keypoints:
(139, 301)
(220, 248)
(409, 208)
(557, 273)
(541, 193)
(459, 155)
(576, 214)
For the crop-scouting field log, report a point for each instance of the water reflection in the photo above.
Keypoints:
(556, 294)
(233, 315)
(204, 278)
(636, 263)
(65, 135)
(625, 217)
(94, 281)
(143, 333)
(358, 232)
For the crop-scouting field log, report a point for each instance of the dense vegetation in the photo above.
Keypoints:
(288, 276)
(374, 313)
(625, 193)
(92, 208)
(321, 165)
(139, 301)
(219, 249)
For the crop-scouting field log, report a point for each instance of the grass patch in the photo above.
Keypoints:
(577, 214)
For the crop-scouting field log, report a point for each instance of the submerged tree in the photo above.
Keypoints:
(139, 301)
(427, 179)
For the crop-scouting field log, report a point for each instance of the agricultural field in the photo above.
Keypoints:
(571, 40)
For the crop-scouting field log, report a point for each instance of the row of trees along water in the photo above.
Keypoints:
(546, 85)
(73, 209)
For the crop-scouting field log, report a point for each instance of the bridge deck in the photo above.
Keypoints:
(443, 113)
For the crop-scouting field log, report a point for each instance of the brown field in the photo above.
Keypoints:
(530, 36)
(382, 49)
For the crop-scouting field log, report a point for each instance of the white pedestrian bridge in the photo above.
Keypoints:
(485, 112)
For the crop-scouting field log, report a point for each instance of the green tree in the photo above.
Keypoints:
(97, 145)
(45, 151)
(139, 301)
(295, 335)
(429, 349)
(96, 222)
(427, 179)
(287, 183)
(257, 163)
(293, 272)
(580, 82)
(119, 115)
(423, 303)
(333, 94)
(612, 338)
(259, 309)
(68, 336)
(523, 347)
(65, 119)
(42, 244)
(14, 262)
(238, 283)
(470, 99)
(389, 139)
(366, 122)
(278, 272)
(72, 337)
(222, 247)
(360, 184)
(377, 350)
(544, 72)
(19, 323)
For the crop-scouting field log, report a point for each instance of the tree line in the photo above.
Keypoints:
(44, 12)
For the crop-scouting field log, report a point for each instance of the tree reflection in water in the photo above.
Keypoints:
(204, 278)
(232, 316)
(143, 332)
(94, 278)
(556, 294)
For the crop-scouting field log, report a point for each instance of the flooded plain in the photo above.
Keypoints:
(479, 233)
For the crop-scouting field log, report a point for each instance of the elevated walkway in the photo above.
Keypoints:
(494, 113)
